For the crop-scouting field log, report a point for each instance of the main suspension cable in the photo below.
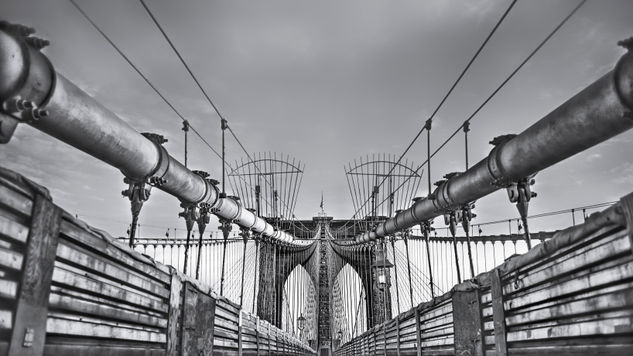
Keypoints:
(493, 94)
(439, 106)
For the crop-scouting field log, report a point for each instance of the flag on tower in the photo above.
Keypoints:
(321, 201)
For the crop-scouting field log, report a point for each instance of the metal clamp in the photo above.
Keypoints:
(494, 167)
(203, 217)
(623, 84)
(137, 193)
(467, 215)
(225, 226)
(156, 177)
(190, 214)
(451, 217)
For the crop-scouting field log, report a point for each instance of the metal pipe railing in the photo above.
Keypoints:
(32, 92)
(597, 113)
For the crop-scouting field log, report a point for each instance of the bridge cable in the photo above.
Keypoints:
(427, 125)
(138, 71)
(149, 83)
(224, 121)
(495, 92)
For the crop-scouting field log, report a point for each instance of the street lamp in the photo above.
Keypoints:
(382, 279)
(381, 265)
(301, 321)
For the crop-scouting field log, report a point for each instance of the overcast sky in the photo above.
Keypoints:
(326, 82)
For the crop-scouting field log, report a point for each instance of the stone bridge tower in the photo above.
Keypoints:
(323, 260)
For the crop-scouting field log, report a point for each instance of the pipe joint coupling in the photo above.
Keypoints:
(156, 176)
(623, 74)
(500, 178)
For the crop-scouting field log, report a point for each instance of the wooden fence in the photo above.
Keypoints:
(69, 289)
(571, 295)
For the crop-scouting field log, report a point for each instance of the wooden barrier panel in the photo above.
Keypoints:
(467, 320)
(29, 331)
(571, 295)
(69, 289)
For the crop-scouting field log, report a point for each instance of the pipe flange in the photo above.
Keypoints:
(495, 168)
(156, 176)
(211, 192)
(442, 199)
(623, 76)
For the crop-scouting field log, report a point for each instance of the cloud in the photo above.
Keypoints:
(594, 157)
(325, 81)
(623, 174)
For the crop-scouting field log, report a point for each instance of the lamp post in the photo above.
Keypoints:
(382, 279)
(301, 324)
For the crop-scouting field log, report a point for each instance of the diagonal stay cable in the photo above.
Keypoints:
(138, 71)
(450, 91)
(171, 44)
(151, 85)
(204, 92)
(494, 93)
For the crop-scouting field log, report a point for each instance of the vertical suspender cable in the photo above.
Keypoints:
(406, 246)
(465, 218)
(395, 272)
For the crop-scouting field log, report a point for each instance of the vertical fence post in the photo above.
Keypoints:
(498, 313)
(467, 322)
(175, 313)
(239, 332)
(257, 335)
(29, 331)
(626, 203)
(418, 337)
(205, 324)
(189, 302)
(398, 335)
(198, 319)
(374, 341)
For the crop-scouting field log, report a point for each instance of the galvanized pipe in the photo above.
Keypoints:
(76, 118)
(597, 113)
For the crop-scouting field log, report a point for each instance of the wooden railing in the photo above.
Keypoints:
(570, 295)
(66, 288)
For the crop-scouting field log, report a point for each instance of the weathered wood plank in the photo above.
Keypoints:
(175, 314)
(103, 309)
(607, 324)
(65, 277)
(110, 269)
(204, 324)
(616, 245)
(626, 204)
(8, 289)
(591, 278)
(99, 348)
(110, 251)
(498, 313)
(29, 330)
(15, 200)
(467, 326)
(58, 324)
(6, 319)
(198, 320)
(13, 230)
(10, 259)
(618, 296)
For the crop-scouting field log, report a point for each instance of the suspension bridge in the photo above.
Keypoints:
(389, 280)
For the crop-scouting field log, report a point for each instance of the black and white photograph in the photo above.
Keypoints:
(324, 178)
